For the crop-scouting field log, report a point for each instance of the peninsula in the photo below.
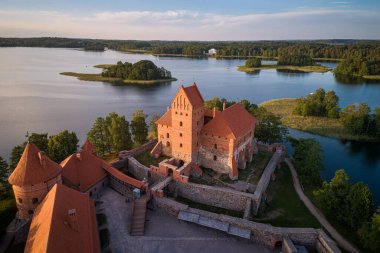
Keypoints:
(142, 72)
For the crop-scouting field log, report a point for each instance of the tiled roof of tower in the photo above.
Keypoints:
(233, 122)
(89, 147)
(83, 169)
(54, 230)
(34, 167)
(165, 119)
(194, 96)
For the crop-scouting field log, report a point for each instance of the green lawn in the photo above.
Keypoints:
(284, 208)
(317, 125)
(147, 160)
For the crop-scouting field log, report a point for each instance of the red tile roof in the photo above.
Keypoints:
(166, 119)
(34, 167)
(52, 229)
(194, 96)
(83, 169)
(233, 122)
(210, 113)
(89, 147)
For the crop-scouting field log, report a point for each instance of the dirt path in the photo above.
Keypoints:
(318, 214)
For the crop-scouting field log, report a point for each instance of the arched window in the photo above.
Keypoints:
(180, 145)
(167, 144)
(180, 134)
(215, 146)
(180, 123)
(167, 135)
(214, 157)
(19, 200)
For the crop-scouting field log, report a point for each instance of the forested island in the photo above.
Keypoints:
(286, 61)
(319, 113)
(368, 67)
(141, 72)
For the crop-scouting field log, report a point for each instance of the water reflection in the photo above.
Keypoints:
(345, 79)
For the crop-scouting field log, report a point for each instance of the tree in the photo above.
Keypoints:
(269, 129)
(356, 118)
(308, 161)
(377, 121)
(40, 140)
(331, 104)
(99, 136)
(15, 156)
(360, 203)
(62, 145)
(139, 128)
(4, 172)
(253, 62)
(369, 234)
(118, 130)
(153, 126)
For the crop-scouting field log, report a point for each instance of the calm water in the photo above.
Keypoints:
(35, 98)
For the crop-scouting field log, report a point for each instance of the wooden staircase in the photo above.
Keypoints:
(137, 227)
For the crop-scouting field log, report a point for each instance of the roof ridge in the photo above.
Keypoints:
(51, 220)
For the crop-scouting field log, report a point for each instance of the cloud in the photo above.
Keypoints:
(194, 25)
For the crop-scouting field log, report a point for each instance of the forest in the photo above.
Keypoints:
(357, 66)
(142, 70)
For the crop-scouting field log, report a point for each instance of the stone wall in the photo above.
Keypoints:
(214, 196)
(137, 169)
(325, 244)
(136, 151)
(119, 186)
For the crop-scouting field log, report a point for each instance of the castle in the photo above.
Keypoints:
(57, 200)
(219, 140)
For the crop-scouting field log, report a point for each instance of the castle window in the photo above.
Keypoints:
(215, 146)
(197, 123)
(180, 134)
(214, 157)
(180, 113)
(186, 114)
(35, 200)
(167, 135)
(90, 193)
(175, 112)
(30, 211)
(19, 200)
(167, 144)
(180, 145)
(180, 123)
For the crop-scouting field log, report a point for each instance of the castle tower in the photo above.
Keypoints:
(33, 177)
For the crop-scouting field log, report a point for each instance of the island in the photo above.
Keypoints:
(142, 72)
(318, 113)
(367, 67)
(286, 61)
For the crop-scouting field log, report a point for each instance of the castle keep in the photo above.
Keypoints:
(191, 133)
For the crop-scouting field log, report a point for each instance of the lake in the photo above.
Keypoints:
(34, 97)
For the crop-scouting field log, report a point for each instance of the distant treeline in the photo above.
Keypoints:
(332, 49)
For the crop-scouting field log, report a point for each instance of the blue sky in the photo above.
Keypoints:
(191, 19)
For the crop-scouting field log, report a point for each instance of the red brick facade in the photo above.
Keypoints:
(218, 140)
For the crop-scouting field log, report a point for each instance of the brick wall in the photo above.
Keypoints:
(136, 151)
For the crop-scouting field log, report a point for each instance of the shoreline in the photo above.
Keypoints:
(305, 69)
(322, 126)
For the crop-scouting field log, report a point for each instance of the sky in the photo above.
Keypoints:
(191, 19)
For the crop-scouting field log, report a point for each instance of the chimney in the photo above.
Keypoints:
(224, 106)
(42, 158)
(78, 155)
(214, 112)
(73, 219)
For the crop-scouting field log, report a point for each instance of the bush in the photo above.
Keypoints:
(253, 62)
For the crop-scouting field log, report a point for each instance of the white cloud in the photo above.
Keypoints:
(191, 25)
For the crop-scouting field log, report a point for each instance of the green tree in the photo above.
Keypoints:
(331, 104)
(139, 128)
(253, 62)
(308, 158)
(369, 234)
(99, 136)
(62, 145)
(377, 121)
(40, 140)
(118, 130)
(4, 171)
(269, 129)
(356, 118)
(153, 126)
(360, 203)
(15, 156)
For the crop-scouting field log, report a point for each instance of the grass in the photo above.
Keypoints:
(213, 209)
(100, 78)
(306, 69)
(317, 125)
(372, 77)
(284, 208)
(147, 160)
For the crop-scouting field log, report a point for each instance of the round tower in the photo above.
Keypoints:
(32, 179)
